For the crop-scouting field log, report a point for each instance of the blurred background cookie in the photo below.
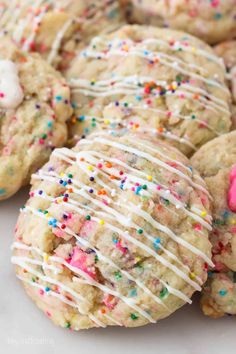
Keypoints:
(213, 21)
(57, 28)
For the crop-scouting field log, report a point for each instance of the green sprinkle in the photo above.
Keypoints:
(68, 325)
(88, 217)
(144, 186)
(133, 316)
(118, 275)
(163, 293)
(140, 231)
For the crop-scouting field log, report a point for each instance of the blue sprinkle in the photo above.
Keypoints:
(47, 289)
(223, 292)
(2, 191)
(138, 189)
(133, 292)
(58, 98)
(157, 243)
(81, 118)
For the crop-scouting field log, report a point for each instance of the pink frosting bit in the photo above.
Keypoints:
(232, 191)
(83, 261)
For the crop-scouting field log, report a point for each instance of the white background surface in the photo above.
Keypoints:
(26, 330)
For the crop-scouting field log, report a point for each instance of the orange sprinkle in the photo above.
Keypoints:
(108, 165)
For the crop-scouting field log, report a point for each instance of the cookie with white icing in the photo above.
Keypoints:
(216, 161)
(152, 80)
(34, 107)
(57, 28)
(212, 21)
(115, 233)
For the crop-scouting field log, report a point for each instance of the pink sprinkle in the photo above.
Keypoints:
(2, 94)
(41, 141)
(232, 191)
(197, 227)
(41, 292)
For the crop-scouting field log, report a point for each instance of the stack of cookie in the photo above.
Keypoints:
(135, 206)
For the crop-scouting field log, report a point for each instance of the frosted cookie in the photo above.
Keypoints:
(216, 162)
(227, 51)
(153, 80)
(115, 233)
(57, 28)
(34, 107)
(213, 21)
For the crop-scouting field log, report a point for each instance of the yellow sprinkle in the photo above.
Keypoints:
(233, 221)
(149, 178)
(107, 121)
(101, 222)
(193, 49)
(46, 257)
(174, 86)
(137, 259)
(192, 276)
(90, 168)
(62, 174)
(203, 213)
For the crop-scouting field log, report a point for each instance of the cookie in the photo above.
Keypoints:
(212, 21)
(34, 107)
(151, 80)
(216, 162)
(57, 28)
(227, 50)
(115, 233)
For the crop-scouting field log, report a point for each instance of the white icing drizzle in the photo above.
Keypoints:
(144, 155)
(57, 42)
(185, 48)
(101, 257)
(20, 262)
(11, 93)
(64, 300)
(129, 85)
(164, 192)
(172, 62)
(119, 217)
(171, 290)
